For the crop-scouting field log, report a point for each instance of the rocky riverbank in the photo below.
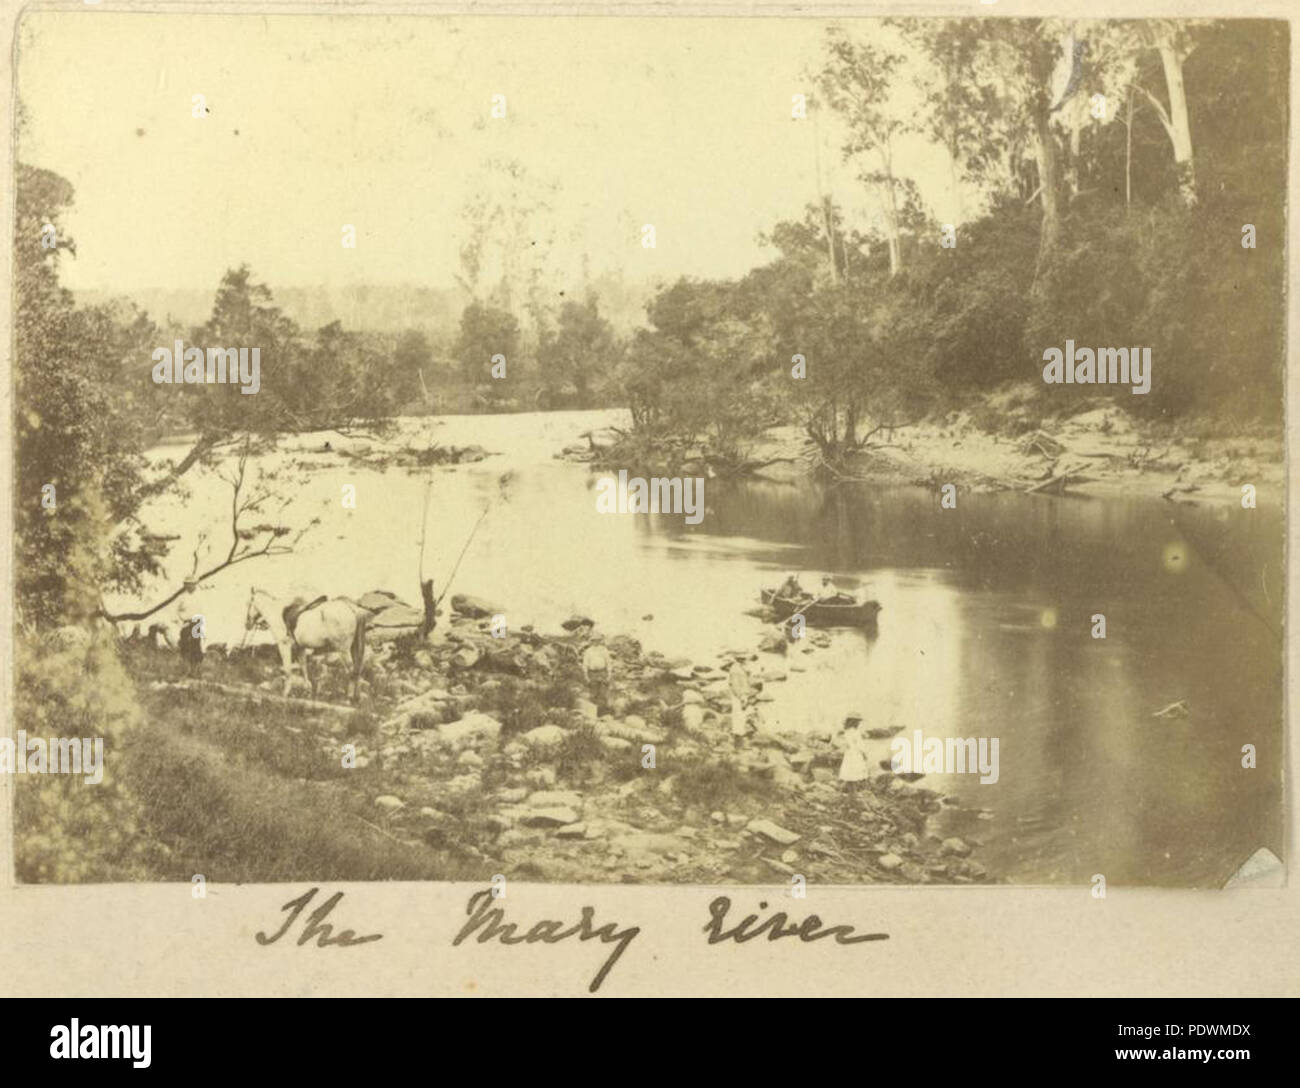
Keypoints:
(498, 750)
(1008, 441)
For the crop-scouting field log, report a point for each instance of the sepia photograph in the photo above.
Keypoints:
(795, 452)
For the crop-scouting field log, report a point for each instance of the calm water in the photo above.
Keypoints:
(985, 630)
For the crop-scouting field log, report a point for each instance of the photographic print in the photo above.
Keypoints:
(663, 451)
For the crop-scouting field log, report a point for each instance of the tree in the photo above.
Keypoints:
(485, 331)
(577, 355)
(855, 82)
(78, 431)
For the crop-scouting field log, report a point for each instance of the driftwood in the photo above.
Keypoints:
(253, 694)
(1058, 482)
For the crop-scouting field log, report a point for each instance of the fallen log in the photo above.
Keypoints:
(1056, 484)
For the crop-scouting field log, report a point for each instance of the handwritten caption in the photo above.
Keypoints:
(486, 922)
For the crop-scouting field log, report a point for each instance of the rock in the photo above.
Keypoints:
(627, 731)
(955, 846)
(430, 813)
(378, 599)
(397, 615)
(688, 832)
(469, 758)
(389, 802)
(790, 856)
(773, 676)
(889, 861)
(513, 795)
(572, 831)
(544, 736)
(474, 607)
(555, 799)
(575, 621)
(474, 728)
(772, 831)
(465, 783)
(586, 708)
(802, 759)
(692, 697)
(773, 644)
(466, 657)
(624, 646)
(718, 817)
(683, 673)
(735, 819)
(549, 817)
(541, 777)
(615, 744)
(692, 716)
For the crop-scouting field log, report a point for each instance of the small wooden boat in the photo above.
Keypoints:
(823, 613)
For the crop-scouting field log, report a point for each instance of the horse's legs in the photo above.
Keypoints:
(306, 672)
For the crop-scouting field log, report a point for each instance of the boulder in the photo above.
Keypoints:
(555, 799)
(889, 861)
(549, 817)
(775, 832)
(390, 803)
(466, 657)
(474, 728)
(541, 777)
(544, 736)
(474, 607)
(572, 831)
(378, 599)
(955, 846)
(397, 615)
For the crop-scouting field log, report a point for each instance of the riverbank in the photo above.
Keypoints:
(473, 755)
(1007, 441)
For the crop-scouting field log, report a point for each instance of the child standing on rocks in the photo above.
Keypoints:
(856, 766)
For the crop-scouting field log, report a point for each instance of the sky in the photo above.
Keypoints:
(385, 123)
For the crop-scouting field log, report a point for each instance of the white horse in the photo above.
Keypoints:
(334, 625)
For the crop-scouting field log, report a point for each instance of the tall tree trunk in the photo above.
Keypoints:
(1128, 153)
(1078, 112)
(830, 238)
(1179, 126)
(1049, 184)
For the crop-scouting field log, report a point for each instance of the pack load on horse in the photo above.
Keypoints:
(324, 625)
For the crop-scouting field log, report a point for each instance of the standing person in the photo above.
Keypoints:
(855, 767)
(190, 639)
(742, 691)
(597, 670)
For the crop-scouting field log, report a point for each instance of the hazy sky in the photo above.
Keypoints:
(385, 123)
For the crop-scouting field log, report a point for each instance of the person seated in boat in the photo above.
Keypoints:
(790, 589)
(831, 594)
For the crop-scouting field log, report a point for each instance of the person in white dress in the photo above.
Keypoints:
(855, 767)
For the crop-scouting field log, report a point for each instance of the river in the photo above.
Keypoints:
(986, 628)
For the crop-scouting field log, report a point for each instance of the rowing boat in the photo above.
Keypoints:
(823, 614)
